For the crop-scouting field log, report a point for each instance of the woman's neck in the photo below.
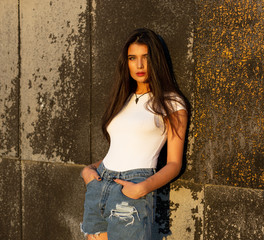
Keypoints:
(142, 88)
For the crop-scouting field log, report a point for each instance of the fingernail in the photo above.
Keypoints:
(99, 178)
(114, 178)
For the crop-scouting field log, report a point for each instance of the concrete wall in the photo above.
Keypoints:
(57, 62)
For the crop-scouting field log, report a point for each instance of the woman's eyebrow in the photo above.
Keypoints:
(132, 55)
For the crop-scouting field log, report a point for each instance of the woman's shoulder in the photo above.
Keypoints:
(175, 101)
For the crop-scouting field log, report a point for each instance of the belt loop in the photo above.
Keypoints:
(102, 174)
(101, 169)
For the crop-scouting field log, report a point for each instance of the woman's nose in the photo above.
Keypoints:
(140, 63)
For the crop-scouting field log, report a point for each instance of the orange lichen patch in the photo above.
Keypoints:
(242, 170)
(229, 97)
(262, 177)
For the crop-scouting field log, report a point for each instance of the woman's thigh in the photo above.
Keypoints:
(101, 236)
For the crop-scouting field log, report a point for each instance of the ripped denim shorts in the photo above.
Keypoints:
(107, 209)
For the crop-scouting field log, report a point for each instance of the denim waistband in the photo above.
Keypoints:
(125, 175)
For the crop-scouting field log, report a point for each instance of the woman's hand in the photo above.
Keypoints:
(89, 173)
(131, 190)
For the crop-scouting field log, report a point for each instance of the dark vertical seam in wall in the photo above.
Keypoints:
(18, 82)
(19, 117)
(90, 77)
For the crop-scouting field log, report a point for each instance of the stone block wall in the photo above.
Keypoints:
(57, 63)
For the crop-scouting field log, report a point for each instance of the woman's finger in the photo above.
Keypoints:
(121, 182)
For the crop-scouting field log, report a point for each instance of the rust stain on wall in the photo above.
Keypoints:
(228, 109)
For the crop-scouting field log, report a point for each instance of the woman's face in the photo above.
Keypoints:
(137, 62)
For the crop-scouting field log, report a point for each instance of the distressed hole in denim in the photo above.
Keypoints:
(125, 212)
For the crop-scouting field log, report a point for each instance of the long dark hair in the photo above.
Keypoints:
(161, 80)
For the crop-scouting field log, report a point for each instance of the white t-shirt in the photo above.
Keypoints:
(136, 136)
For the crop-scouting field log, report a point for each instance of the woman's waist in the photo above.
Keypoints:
(109, 173)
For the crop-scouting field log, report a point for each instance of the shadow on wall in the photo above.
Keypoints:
(162, 217)
(162, 225)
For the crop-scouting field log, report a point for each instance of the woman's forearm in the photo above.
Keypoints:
(161, 178)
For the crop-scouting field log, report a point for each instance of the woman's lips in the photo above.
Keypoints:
(140, 74)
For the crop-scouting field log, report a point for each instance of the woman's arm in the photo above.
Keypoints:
(175, 146)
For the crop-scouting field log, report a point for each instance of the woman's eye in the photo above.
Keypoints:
(131, 58)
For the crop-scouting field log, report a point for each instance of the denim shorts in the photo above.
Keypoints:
(107, 209)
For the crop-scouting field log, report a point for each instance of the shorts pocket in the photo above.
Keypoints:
(88, 184)
(134, 180)
(121, 192)
(144, 197)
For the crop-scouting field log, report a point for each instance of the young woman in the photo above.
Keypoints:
(145, 111)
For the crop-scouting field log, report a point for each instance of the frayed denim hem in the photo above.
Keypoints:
(81, 227)
(85, 234)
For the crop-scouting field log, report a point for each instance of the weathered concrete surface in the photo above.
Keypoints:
(10, 199)
(9, 78)
(55, 85)
(226, 144)
(229, 96)
(233, 213)
(111, 24)
(53, 197)
(180, 211)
